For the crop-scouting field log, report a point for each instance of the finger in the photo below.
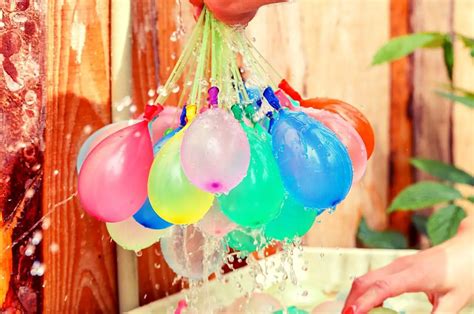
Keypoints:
(198, 3)
(388, 287)
(360, 285)
(452, 302)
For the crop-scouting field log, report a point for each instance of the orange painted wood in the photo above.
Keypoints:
(153, 58)
(21, 153)
(401, 124)
(79, 256)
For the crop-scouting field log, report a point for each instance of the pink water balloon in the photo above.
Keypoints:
(113, 179)
(215, 152)
(348, 136)
(215, 223)
(168, 118)
(97, 137)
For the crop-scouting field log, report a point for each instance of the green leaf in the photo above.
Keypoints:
(384, 239)
(420, 222)
(404, 45)
(424, 194)
(465, 100)
(448, 53)
(471, 199)
(443, 171)
(444, 223)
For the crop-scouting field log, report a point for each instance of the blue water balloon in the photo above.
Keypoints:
(315, 166)
(148, 218)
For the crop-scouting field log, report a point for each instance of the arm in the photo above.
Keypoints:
(445, 273)
(234, 12)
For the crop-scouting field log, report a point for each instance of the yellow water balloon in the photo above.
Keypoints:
(171, 195)
(132, 236)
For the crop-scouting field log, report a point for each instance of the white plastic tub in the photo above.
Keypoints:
(321, 275)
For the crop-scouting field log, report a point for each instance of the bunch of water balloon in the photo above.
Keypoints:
(241, 161)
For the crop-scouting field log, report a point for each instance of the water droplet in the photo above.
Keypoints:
(30, 249)
(37, 269)
(305, 293)
(30, 193)
(87, 129)
(138, 253)
(157, 286)
(46, 223)
(151, 92)
(133, 109)
(157, 265)
(55, 172)
(54, 247)
(174, 37)
(37, 237)
(175, 89)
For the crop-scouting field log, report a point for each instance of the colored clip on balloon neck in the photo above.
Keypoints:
(191, 111)
(152, 111)
(271, 98)
(272, 121)
(237, 111)
(250, 112)
(290, 91)
(182, 117)
(213, 97)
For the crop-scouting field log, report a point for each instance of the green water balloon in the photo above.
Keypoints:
(294, 221)
(246, 240)
(258, 198)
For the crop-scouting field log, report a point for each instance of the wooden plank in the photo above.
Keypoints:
(153, 57)
(401, 124)
(79, 256)
(21, 154)
(464, 78)
(432, 115)
(330, 56)
(121, 72)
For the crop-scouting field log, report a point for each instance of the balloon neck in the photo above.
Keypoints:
(213, 96)
(250, 112)
(152, 111)
(290, 91)
(237, 111)
(272, 121)
(254, 95)
(191, 111)
(182, 117)
(284, 101)
(271, 98)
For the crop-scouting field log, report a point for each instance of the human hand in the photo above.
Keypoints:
(445, 273)
(233, 12)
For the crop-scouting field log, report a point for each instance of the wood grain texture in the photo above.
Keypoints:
(21, 153)
(325, 48)
(154, 55)
(464, 77)
(432, 115)
(79, 256)
(401, 124)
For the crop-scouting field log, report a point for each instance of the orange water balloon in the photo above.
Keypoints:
(348, 113)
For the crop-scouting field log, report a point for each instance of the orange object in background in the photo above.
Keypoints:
(268, 251)
(5, 261)
(348, 113)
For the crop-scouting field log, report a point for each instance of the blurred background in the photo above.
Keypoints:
(71, 66)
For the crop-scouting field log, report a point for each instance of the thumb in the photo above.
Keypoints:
(197, 3)
(452, 302)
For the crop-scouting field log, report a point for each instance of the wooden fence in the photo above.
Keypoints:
(54, 258)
